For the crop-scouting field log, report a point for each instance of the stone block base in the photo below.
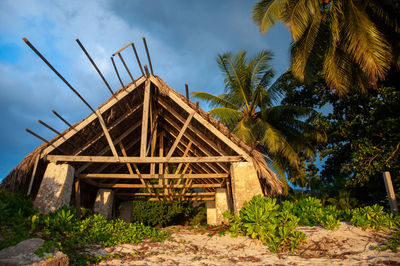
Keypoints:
(245, 184)
(104, 203)
(55, 189)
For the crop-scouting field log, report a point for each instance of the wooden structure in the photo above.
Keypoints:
(147, 142)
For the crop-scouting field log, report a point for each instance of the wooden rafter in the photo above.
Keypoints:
(107, 134)
(92, 117)
(178, 138)
(203, 121)
(145, 119)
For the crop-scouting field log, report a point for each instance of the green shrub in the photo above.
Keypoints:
(65, 231)
(260, 218)
(161, 213)
(373, 217)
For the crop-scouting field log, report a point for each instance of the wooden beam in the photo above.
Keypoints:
(203, 121)
(194, 194)
(157, 186)
(195, 141)
(115, 124)
(78, 197)
(161, 154)
(178, 138)
(111, 159)
(152, 176)
(121, 145)
(107, 134)
(145, 119)
(33, 174)
(390, 193)
(122, 94)
(107, 148)
(182, 199)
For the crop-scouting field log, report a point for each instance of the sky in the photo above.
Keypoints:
(184, 38)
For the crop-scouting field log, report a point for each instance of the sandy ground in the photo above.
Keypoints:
(347, 245)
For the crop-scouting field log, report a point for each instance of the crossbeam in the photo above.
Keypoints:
(152, 176)
(156, 186)
(112, 159)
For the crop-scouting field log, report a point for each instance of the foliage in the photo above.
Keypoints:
(363, 141)
(249, 108)
(260, 218)
(353, 42)
(161, 213)
(64, 230)
(275, 224)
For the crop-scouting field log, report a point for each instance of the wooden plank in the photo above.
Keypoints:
(121, 145)
(116, 123)
(112, 159)
(152, 176)
(145, 119)
(193, 194)
(201, 147)
(390, 193)
(178, 138)
(157, 186)
(107, 134)
(92, 117)
(107, 148)
(204, 122)
(182, 199)
(78, 197)
(33, 174)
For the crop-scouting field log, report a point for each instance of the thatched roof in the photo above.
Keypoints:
(122, 114)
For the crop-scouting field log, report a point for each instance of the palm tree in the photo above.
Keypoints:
(248, 108)
(355, 40)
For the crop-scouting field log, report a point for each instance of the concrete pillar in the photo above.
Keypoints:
(125, 211)
(245, 184)
(104, 203)
(221, 205)
(211, 213)
(55, 189)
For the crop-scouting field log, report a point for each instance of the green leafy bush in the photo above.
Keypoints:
(65, 231)
(373, 217)
(261, 218)
(161, 213)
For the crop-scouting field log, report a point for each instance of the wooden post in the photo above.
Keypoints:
(145, 119)
(390, 192)
(78, 197)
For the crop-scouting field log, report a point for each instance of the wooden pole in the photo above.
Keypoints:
(43, 139)
(95, 66)
(187, 93)
(33, 174)
(137, 58)
(56, 72)
(116, 71)
(148, 55)
(127, 69)
(390, 192)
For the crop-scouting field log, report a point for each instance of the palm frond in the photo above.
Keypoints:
(214, 100)
(228, 116)
(266, 12)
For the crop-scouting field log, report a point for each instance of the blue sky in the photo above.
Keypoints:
(184, 38)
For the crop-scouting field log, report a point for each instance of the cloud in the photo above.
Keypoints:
(184, 38)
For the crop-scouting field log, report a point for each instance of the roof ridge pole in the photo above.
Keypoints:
(148, 55)
(137, 58)
(57, 73)
(95, 66)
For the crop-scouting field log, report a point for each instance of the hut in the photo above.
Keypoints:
(147, 142)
